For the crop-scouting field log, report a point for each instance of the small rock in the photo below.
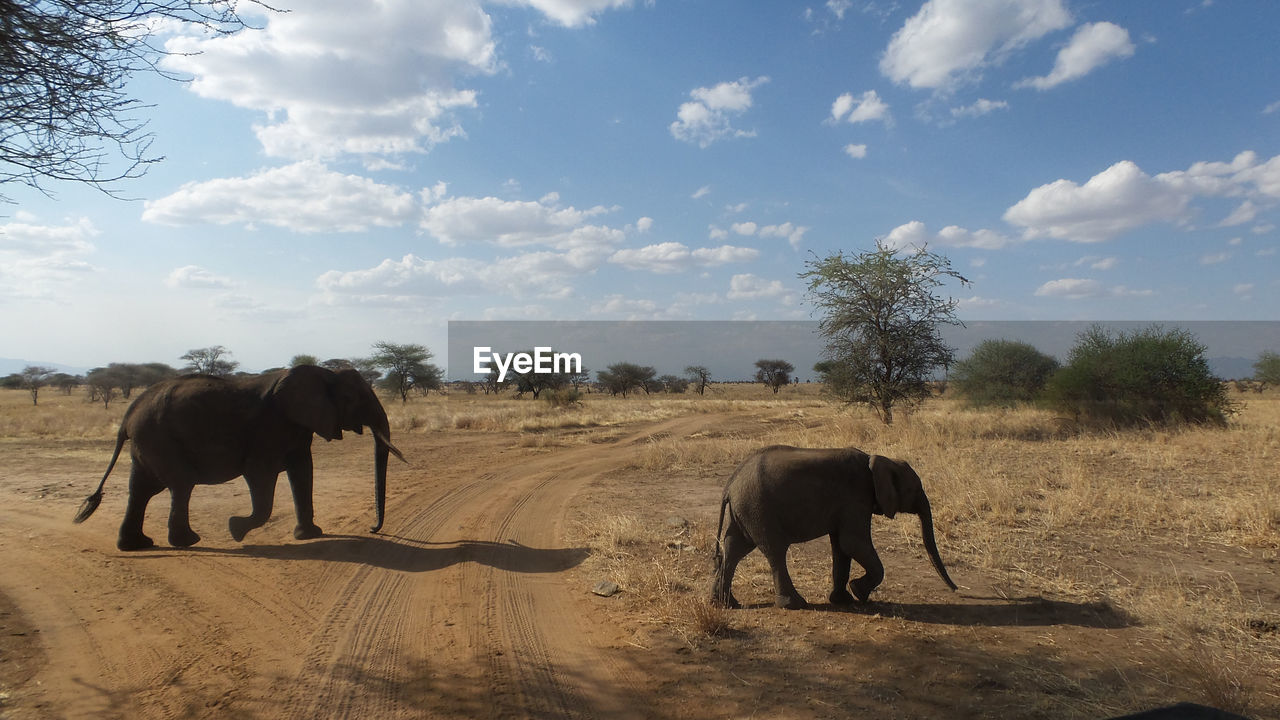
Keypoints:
(606, 588)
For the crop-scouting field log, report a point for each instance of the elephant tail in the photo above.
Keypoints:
(719, 557)
(91, 503)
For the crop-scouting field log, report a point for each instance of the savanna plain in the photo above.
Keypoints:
(1100, 572)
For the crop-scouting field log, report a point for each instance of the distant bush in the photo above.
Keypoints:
(1002, 373)
(1146, 376)
(562, 397)
(1267, 369)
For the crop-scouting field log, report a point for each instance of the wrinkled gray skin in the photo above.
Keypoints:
(782, 495)
(204, 430)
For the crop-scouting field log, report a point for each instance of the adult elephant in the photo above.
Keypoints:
(782, 495)
(203, 430)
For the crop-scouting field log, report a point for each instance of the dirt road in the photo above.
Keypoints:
(461, 608)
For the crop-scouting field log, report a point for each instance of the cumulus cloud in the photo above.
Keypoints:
(857, 152)
(916, 234)
(304, 197)
(196, 277)
(951, 41)
(1080, 288)
(333, 82)
(745, 228)
(794, 234)
(512, 223)
(674, 257)
(1116, 200)
(619, 305)
(708, 117)
(1123, 197)
(574, 13)
(1092, 46)
(748, 286)
(542, 274)
(865, 108)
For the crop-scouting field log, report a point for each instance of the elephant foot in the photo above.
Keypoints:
(185, 537)
(862, 594)
(306, 532)
(240, 526)
(840, 596)
(132, 542)
(793, 602)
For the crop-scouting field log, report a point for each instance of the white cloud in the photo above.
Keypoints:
(745, 228)
(1244, 213)
(1078, 288)
(332, 82)
(951, 41)
(1092, 46)
(36, 260)
(673, 257)
(574, 13)
(979, 108)
(1072, 288)
(407, 280)
(749, 287)
(864, 108)
(1243, 289)
(793, 233)
(513, 223)
(1273, 107)
(701, 192)
(644, 224)
(857, 152)
(196, 277)
(1116, 200)
(839, 7)
(304, 197)
(1215, 258)
(708, 118)
(916, 234)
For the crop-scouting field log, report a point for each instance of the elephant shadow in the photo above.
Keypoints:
(409, 555)
(991, 611)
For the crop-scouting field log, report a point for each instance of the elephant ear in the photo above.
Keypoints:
(302, 396)
(882, 481)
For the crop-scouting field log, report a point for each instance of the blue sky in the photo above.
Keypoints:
(351, 174)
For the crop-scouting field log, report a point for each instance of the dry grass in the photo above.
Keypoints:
(1141, 524)
(1175, 530)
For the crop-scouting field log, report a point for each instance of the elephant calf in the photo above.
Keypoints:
(782, 495)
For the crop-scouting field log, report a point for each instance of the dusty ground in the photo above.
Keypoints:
(474, 600)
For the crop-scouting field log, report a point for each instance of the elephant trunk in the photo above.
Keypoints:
(930, 546)
(382, 450)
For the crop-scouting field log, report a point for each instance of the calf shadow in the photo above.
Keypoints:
(409, 555)
(990, 611)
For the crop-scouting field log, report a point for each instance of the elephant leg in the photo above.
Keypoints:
(143, 485)
(840, 563)
(301, 478)
(785, 594)
(262, 493)
(180, 532)
(736, 546)
(856, 543)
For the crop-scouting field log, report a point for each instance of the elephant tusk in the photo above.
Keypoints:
(387, 441)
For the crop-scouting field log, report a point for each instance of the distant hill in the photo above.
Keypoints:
(9, 366)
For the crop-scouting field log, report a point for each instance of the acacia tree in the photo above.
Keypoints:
(621, 378)
(209, 361)
(65, 109)
(406, 368)
(35, 377)
(880, 321)
(1267, 369)
(699, 375)
(774, 373)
